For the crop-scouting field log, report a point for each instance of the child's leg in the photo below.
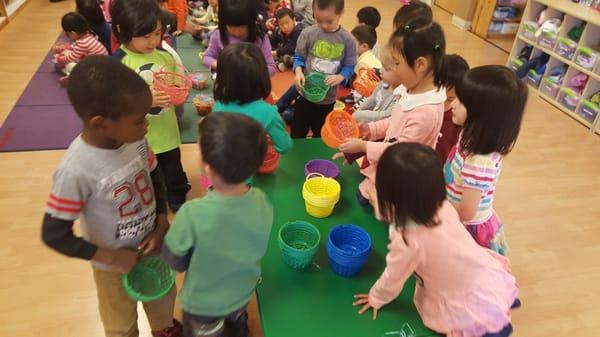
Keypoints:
(69, 68)
(236, 323)
(175, 178)
(118, 312)
(317, 118)
(303, 110)
(233, 325)
(287, 98)
(160, 313)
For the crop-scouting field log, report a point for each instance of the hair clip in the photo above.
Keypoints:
(437, 47)
(407, 28)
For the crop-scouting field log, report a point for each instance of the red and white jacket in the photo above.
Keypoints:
(86, 45)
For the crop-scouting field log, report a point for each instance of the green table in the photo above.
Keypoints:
(317, 302)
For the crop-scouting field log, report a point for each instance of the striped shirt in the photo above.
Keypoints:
(85, 46)
(479, 172)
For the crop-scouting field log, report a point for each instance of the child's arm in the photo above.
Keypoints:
(288, 48)
(212, 52)
(370, 102)
(281, 139)
(179, 241)
(302, 47)
(479, 173)
(265, 47)
(349, 60)
(75, 54)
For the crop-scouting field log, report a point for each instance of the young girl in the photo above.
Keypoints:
(91, 11)
(491, 124)
(411, 10)
(138, 26)
(237, 23)
(463, 290)
(418, 52)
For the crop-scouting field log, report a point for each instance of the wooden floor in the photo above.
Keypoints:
(548, 197)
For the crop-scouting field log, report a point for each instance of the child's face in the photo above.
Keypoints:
(147, 43)
(388, 75)
(409, 76)
(327, 19)
(239, 32)
(450, 97)
(286, 24)
(361, 47)
(129, 128)
(459, 112)
(273, 4)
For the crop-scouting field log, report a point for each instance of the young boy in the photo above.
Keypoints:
(456, 68)
(370, 16)
(109, 178)
(285, 38)
(366, 37)
(326, 48)
(220, 239)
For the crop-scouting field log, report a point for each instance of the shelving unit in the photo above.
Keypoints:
(8, 9)
(573, 15)
(500, 31)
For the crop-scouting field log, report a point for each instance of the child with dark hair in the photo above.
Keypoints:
(462, 289)
(109, 179)
(370, 16)
(238, 22)
(92, 12)
(285, 38)
(366, 38)
(489, 106)
(179, 9)
(220, 239)
(138, 24)
(456, 68)
(410, 11)
(326, 48)
(273, 6)
(85, 43)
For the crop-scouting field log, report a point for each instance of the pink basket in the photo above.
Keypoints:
(173, 84)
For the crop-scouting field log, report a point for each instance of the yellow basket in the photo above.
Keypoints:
(320, 195)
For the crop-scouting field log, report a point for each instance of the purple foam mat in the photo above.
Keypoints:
(44, 89)
(39, 128)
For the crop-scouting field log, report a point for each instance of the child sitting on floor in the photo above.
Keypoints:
(370, 16)
(207, 23)
(284, 40)
(273, 6)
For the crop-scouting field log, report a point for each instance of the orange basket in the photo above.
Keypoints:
(271, 159)
(338, 126)
(175, 85)
(366, 81)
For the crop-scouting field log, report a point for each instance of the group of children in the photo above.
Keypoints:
(124, 171)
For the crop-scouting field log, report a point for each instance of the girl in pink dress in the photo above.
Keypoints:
(463, 289)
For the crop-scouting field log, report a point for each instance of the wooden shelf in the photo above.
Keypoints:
(581, 12)
(518, 6)
(508, 20)
(561, 107)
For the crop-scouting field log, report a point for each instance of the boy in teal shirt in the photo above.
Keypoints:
(220, 239)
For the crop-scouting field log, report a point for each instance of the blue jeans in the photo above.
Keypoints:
(285, 101)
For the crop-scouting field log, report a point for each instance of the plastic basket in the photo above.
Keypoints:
(320, 195)
(271, 159)
(149, 280)
(314, 88)
(366, 81)
(338, 126)
(325, 167)
(175, 85)
(348, 248)
(203, 104)
(298, 242)
(198, 80)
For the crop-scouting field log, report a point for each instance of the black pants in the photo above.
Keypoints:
(175, 179)
(232, 325)
(309, 116)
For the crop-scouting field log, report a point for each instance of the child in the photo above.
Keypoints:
(304, 11)
(366, 37)
(462, 289)
(418, 51)
(110, 179)
(380, 104)
(237, 23)
(219, 240)
(285, 38)
(456, 68)
(489, 107)
(138, 26)
(179, 8)
(410, 11)
(85, 43)
(273, 6)
(326, 48)
(370, 16)
(91, 11)
(208, 23)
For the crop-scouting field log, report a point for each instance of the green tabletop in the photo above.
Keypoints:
(317, 302)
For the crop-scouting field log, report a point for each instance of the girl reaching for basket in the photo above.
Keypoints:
(238, 23)
(418, 53)
(462, 289)
(138, 26)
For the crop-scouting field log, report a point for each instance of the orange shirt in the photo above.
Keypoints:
(178, 8)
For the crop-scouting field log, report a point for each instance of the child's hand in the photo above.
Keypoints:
(154, 241)
(124, 260)
(299, 77)
(363, 299)
(58, 48)
(274, 53)
(353, 145)
(339, 155)
(333, 80)
(160, 98)
(364, 131)
(270, 24)
(177, 33)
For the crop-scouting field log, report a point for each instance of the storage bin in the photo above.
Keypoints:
(533, 78)
(549, 87)
(515, 64)
(548, 40)
(569, 99)
(586, 57)
(529, 29)
(589, 110)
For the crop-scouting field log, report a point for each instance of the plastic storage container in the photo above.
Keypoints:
(569, 99)
(548, 40)
(529, 29)
(589, 110)
(586, 57)
(515, 64)
(549, 87)
(566, 47)
(533, 78)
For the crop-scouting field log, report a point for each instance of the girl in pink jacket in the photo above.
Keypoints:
(463, 289)
(418, 51)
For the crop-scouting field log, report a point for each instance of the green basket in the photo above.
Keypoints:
(314, 88)
(299, 242)
(149, 280)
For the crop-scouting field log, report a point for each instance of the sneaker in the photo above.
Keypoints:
(176, 330)
(63, 81)
(282, 67)
(288, 115)
(349, 99)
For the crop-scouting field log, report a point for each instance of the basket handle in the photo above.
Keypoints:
(310, 175)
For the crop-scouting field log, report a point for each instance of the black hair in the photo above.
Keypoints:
(169, 21)
(369, 16)
(495, 99)
(365, 34)
(103, 86)
(134, 18)
(239, 13)
(412, 10)
(422, 38)
(410, 184)
(91, 11)
(456, 68)
(324, 4)
(74, 22)
(242, 74)
(280, 14)
(233, 145)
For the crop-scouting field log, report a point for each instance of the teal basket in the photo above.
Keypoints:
(299, 242)
(149, 280)
(314, 88)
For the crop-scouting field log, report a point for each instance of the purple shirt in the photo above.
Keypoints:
(215, 47)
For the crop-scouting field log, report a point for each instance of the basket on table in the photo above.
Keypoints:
(348, 247)
(198, 79)
(298, 242)
(324, 167)
(320, 194)
(366, 81)
(271, 159)
(172, 83)
(338, 126)
(203, 104)
(149, 280)
(315, 90)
